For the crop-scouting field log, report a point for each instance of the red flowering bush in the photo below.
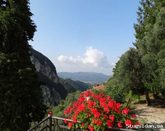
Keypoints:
(98, 112)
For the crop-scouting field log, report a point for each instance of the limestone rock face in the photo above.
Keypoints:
(50, 99)
(44, 65)
(53, 91)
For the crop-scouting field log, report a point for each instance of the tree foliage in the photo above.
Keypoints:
(127, 76)
(142, 68)
(20, 93)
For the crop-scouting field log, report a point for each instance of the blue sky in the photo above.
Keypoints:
(84, 35)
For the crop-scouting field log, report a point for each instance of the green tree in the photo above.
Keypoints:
(20, 94)
(127, 75)
(150, 32)
(142, 69)
(159, 36)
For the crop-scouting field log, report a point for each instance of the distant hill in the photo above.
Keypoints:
(87, 77)
(73, 86)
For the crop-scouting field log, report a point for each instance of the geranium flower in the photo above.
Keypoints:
(128, 123)
(133, 116)
(112, 117)
(119, 124)
(106, 108)
(125, 111)
(96, 114)
(91, 128)
(111, 104)
(70, 124)
(109, 123)
(81, 107)
(99, 113)
(65, 121)
(82, 125)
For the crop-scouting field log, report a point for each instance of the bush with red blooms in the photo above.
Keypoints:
(99, 112)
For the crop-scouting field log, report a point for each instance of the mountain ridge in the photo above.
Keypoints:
(87, 77)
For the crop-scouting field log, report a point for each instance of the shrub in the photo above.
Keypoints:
(58, 110)
(98, 112)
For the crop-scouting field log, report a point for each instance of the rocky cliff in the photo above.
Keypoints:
(53, 91)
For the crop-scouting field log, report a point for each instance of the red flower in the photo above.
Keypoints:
(70, 124)
(91, 104)
(87, 93)
(128, 123)
(68, 110)
(91, 128)
(99, 108)
(117, 109)
(119, 124)
(133, 116)
(74, 119)
(81, 99)
(50, 113)
(102, 101)
(99, 122)
(108, 98)
(105, 116)
(109, 123)
(118, 105)
(137, 123)
(125, 111)
(106, 108)
(96, 114)
(82, 124)
(65, 121)
(112, 117)
(111, 104)
(81, 107)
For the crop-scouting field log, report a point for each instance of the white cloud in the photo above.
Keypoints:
(92, 57)
(67, 59)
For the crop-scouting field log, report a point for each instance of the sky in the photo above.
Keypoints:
(84, 35)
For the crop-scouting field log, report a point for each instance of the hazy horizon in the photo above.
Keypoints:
(82, 72)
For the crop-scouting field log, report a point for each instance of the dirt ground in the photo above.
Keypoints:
(150, 114)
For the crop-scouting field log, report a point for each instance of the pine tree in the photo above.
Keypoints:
(159, 36)
(149, 42)
(20, 94)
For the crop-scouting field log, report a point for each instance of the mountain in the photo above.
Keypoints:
(73, 86)
(87, 77)
(53, 90)
(53, 87)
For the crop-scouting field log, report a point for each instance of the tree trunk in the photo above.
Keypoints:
(156, 96)
(147, 98)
